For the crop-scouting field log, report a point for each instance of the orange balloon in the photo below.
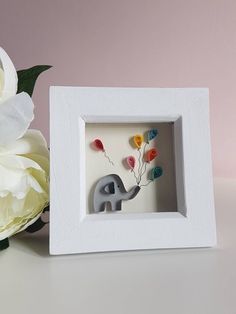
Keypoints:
(151, 154)
(138, 140)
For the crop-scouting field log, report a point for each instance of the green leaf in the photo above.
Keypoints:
(27, 78)
(46, 209)
(36, 226)
(4, 244)
(39, 223)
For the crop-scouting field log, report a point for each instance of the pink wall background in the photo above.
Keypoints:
(154, 43)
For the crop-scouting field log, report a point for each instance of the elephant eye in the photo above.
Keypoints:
(118, 186)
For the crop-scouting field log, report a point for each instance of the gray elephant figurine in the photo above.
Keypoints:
(110, 190)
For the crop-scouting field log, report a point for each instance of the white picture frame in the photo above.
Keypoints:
(72, 230)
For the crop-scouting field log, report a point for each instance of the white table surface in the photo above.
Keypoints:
(191, 281)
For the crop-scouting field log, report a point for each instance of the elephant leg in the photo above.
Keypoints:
(113, 206)
(100, 207)
(118, 205)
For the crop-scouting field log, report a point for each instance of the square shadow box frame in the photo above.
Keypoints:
(191, 224)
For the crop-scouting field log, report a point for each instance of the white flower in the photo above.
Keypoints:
(24, 157)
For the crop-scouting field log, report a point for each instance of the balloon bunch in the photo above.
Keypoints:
(98, 145)
(144, 158)
(140, 142)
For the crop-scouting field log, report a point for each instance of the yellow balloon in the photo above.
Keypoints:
(138, 140)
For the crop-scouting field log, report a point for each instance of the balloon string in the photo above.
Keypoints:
(143, 162)
(139, 159)
(139, 165)
(109, 159)
(147, 183)
(136, 178)
(142, 173)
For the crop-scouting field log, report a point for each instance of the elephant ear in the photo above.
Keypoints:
(109, 188)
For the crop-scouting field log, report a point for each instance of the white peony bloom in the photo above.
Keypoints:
(24, 157)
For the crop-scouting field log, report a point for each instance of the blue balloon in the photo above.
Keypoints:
(156, 173)
(152, 134)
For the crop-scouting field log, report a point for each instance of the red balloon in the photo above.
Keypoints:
(151, 154)
(98, 145)
(130, 162)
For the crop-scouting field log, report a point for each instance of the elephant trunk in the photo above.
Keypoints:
(132, 193)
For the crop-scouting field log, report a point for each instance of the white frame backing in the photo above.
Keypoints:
(71, 229)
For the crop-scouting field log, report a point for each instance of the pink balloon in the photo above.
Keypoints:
(130, 162)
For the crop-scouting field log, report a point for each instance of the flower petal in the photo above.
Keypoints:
(17, 226)
(16, 114)
(18, 162)
(10, 76)
(19, 175)
(32, 142)
(28, 222)
(42, 161)
(28, 210)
